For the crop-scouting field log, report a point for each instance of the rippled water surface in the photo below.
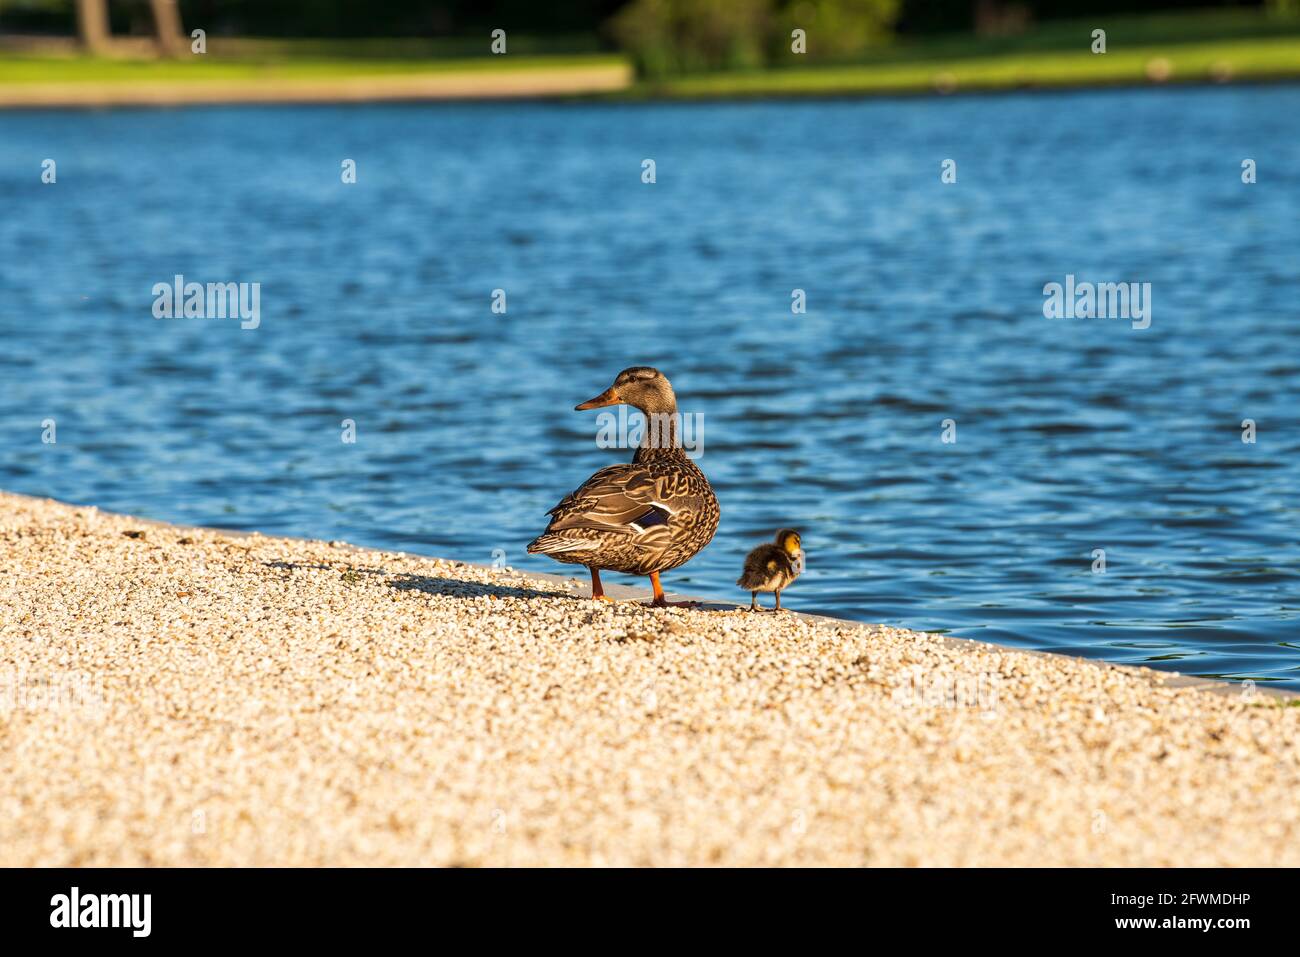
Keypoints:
(924, 304)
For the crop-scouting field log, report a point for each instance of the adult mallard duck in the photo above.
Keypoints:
(772, 566)
(642, 518)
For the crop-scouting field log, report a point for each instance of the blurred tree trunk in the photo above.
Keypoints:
(92, 26)
(167, 27)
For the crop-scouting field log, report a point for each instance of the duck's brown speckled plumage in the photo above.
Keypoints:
(641, 518)
(596, 524)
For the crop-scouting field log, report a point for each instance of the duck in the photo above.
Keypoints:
(772, 566)
(643, 517)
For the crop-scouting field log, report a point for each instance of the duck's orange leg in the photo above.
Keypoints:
(661, 602)
(597, 590)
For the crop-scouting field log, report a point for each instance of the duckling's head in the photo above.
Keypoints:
(641, 387)
(789, 542)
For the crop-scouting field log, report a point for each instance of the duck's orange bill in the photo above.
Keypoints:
(608, 397)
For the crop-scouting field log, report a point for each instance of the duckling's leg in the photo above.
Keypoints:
(778, 600)
(597, 590)
(661, 602)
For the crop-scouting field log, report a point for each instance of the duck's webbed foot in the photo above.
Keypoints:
(659, 601)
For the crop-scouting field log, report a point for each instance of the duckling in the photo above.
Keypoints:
(772, 566)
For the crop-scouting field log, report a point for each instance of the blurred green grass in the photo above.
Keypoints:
(1198, 45)
(1191, 62)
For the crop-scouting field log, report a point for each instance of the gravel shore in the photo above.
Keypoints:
(174, 696)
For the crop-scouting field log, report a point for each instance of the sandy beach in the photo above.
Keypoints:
(174, 696)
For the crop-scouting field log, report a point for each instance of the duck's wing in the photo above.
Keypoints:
(618, 498)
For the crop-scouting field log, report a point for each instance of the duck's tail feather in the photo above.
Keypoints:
(559, 544)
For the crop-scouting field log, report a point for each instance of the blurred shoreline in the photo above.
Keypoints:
(42, 72)
(611, 83)
(451, 85)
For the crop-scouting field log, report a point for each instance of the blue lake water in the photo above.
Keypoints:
(924, 303)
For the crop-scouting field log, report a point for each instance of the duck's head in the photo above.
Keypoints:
(641, 387)
(787, 539)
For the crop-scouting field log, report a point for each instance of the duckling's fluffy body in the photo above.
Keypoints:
(767, 568)
(772, 566)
